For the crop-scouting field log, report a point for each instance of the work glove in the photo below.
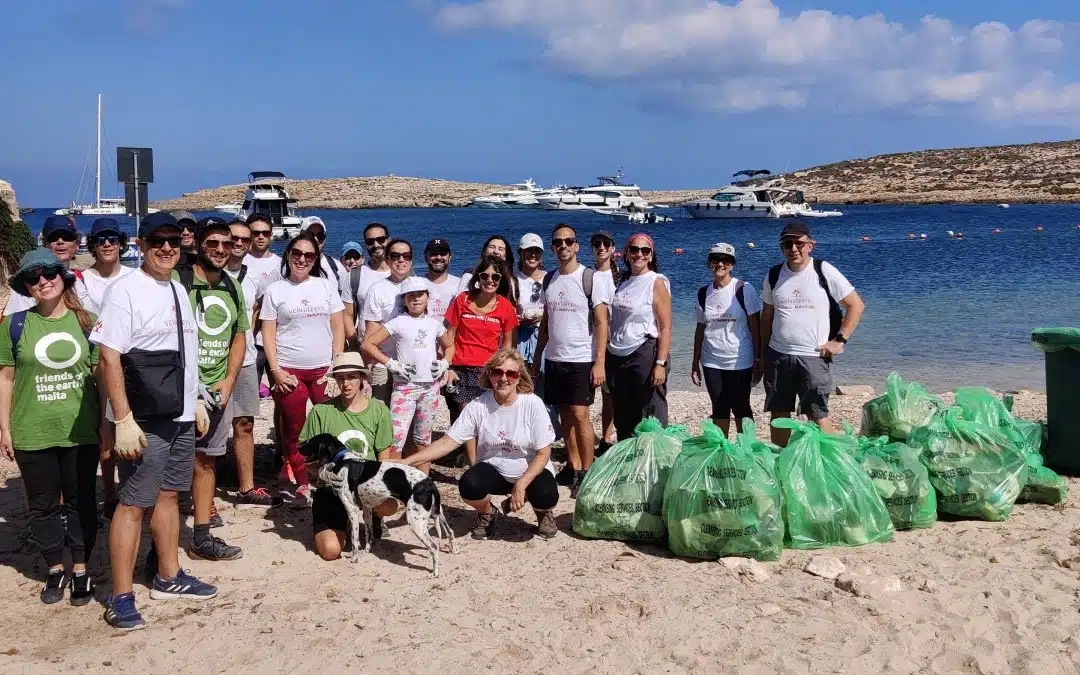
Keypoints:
(330, 385)
(439, 368)
(208, 397)
(130, 439)
(202, 418)
(401, 372)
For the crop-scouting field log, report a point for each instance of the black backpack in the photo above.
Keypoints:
(186, 277)
(836, 317)
(333, 268)
(703, 292)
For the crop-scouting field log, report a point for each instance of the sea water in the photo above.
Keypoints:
(940, 311)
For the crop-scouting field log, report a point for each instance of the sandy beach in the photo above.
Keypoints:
(962, 596)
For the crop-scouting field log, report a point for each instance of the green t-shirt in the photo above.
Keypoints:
(365, 433)
(54, 401)
(216, 320)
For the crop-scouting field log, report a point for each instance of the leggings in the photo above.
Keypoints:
(293, 410)
(484, 479)
(49, 474)
(413, 406)
(630, 378)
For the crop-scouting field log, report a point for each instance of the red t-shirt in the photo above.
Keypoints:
(478, 336)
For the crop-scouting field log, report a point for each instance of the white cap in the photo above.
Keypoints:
(531, 241)
(414, 285)
(722, 249)
(308, 221)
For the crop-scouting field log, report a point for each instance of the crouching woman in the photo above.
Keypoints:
(513, 435)
(363, 425)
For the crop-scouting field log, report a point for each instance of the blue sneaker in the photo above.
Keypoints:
(184, 586)
(121, 614)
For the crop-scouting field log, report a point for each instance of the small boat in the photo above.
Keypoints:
(759, 195)
(26, 210)
(634, 216)
(266, 194)
(230, 209)
(1003, 206)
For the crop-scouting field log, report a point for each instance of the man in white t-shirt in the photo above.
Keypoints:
(155, 449)
(444, 286)
(265, 266)
(573, 341)
(382, 302)
(802, 329)
(356, 284)
(60, 237)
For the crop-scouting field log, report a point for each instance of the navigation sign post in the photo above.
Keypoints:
(135, 169)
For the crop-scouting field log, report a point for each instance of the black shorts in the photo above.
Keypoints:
(327, 512)
(729, 391)
(567, 383)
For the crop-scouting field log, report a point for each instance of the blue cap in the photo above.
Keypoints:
(208, 224)
(56, 224)
(105, 225)
(155, 221)
(351, 246)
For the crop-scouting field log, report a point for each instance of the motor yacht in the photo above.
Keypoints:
(519, 196)
(758, 195)
(266, 194)
(609, 193)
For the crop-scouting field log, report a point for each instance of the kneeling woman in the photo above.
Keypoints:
(361, 423)
(513, 435)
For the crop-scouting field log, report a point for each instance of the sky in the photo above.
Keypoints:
(676, 93)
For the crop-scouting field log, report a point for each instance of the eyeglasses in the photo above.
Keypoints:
(721, 260)
(157, 241)
(559, 243)
(490, 276)
(225, 244)
(112, 239)
(241, 240)
(33, 277)
(788, 244)
(308, 256)
(261, 233)
(643, 250)
(400, 255)
(375, 241)
(511, 375)
(65, 235)
(603, 243)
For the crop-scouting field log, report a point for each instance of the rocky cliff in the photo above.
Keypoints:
(7, 196)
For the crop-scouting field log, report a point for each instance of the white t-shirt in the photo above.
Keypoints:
(463, 286)
(605, 279)
(507, 437)
(18, 302)
(266, 270)
(96, 285)
(441, 296)
(251, 289)
(413, 340)
(302, 312)
(531, 295)
(139, 312)
(633, 320)
(569, 337)
(368, 278)
(801, 317)
(728, 343)
(382, 303)
(333, 270)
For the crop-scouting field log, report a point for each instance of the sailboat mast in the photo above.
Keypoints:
(98, 201)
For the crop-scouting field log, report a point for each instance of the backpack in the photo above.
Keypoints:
(187, 280)
(333, 268)
(15, 331)
(354, 282)
(703, 292)
(836, 317)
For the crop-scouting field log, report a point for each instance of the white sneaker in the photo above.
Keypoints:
(302, 498)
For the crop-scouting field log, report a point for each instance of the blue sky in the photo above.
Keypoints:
(680, 93)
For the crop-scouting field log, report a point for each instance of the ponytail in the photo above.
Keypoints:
(72, 302)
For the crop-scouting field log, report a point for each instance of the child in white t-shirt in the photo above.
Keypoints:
(418, 368)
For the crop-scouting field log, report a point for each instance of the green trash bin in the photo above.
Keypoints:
(1062, 348)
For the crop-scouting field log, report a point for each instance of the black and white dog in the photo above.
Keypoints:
(362, 485)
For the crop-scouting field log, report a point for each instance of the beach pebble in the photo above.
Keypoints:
(753, 570)
(929, 586)
(854, 390)
(768, 609)
(871, 587)
(825, 566)
(731, 563)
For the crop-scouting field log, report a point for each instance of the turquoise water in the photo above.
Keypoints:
(944, 312)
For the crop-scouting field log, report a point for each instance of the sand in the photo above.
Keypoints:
(961, 597)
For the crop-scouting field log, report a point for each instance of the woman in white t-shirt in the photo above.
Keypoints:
(302, 329)
(640, 340)
(607, 272)
(726, 343)
(530, 283)
(513, 437)
(418, 367)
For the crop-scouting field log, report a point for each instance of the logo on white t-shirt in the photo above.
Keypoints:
(355, 435)
(201, 314)
(41, 351)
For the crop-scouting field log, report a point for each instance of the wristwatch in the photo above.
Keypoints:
(661, 362)
(841, 339)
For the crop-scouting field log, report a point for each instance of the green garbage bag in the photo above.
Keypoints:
(901, 480)
(748, 439)
(828, 498)
(904, 407)
(622, 494)
(723, 499)
(977, 471)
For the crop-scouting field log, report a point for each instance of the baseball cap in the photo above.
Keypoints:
(531, 240)
(56, 224)
(351, 246)
(105, 225)
(211, 224)
(602, 234)
(155, 221)
(183, 215)
(308, 221)
(437, 243)
(414, 285)
(721, 248)
(348, 362)
(795, 228)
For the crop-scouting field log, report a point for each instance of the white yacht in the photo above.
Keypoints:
(519, 196)
(266, 194)
(610, 193)
(759, 195)
(230, 209)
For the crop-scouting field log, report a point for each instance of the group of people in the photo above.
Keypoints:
(150, 371)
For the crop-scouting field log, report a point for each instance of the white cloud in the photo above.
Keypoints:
(749, 55)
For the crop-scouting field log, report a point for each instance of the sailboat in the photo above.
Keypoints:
(102, 206)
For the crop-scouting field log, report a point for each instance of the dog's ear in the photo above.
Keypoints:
(322, 447)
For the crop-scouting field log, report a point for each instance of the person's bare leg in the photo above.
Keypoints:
(165, 528)
(607, 418)
(827, 425)
(124, 533)
(723, 424)
(573, 451)
(483, 506)
(586, 435)
(329, 544)
(780, 437)
(203, 483)
(244, 447)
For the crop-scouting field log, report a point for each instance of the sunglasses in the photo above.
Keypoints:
(400, 255)
(559, 243)
(511, 375)
(241, 240)
(33, 277)
(375, 241)
(721, 260)
(643, 250)
(157, 241)
(438, 252)
(533, 252)
(225, 244)
(113, 239)
(603, 243)
(303, 255)
(789, 244)
(351, 255)
(319, 236)
(63, 234)
(490, 276)
(261, 233)
(187, 228)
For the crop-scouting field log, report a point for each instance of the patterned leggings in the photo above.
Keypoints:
(413, 404)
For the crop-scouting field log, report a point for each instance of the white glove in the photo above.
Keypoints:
(439, 368)
(202, 418)
(330, 385)
(130, 439)
(207, 396)
(401, 371)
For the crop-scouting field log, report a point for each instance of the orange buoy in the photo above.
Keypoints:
(678, 251)
(617, 254)
(911, 235)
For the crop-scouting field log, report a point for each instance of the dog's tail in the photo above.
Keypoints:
(441, 524)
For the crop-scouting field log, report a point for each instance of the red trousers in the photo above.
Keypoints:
(292, 409)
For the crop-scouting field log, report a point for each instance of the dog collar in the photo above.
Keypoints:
(341, 455)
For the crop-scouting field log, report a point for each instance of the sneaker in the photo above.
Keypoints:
(121, 614)
(484, 527)
(545, 524)
(258, 497)
(184, 586)
(110, 509)
(565, 477)
(54, 587)
(214, 548)
(82, 589)
(215, 517)
(579, 478)
(302, 500)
